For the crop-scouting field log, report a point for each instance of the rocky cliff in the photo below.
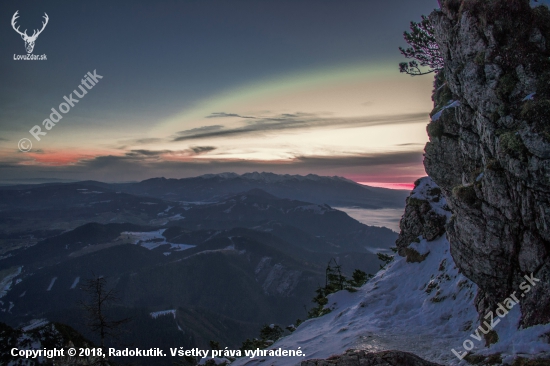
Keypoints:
(484, 211)
(489, 148)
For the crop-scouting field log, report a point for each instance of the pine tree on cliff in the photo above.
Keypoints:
(424, 49)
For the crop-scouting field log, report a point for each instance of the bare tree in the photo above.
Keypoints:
(99, 299)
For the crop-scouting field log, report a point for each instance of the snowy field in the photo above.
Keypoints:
(151, 240)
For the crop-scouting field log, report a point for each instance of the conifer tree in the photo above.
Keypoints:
(424, 49)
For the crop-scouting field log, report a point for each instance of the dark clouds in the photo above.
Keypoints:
(411, 144)
(222, 114)
(144, 164)
(149, 140)
(202, 149)
(192, 151)
(381, 159)
(201, 130)
(282, 122)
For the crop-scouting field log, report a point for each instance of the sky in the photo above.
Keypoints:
(196, 87)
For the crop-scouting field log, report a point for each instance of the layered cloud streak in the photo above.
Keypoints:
(286, 122)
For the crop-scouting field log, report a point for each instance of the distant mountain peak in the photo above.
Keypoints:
(227, 175)
(269, 177)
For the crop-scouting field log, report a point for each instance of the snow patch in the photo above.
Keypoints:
(452, 104)
(423, 192)
(51, 283)
(529, 97)
(261, 264)
(152, 239)
(156, 314)
(229, 209)
(6, 282)
(180, 247)
(33, 324)
(75, 282)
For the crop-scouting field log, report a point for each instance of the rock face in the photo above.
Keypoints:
(489, 148)
(362, 358)
(425, 215)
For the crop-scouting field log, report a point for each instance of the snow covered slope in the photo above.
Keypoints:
(425, 308)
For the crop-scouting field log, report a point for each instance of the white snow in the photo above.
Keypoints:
(51, 283)
(75, 282)
(180, 247)
(152, 240)
(261, 264)
(229, 248)
(512, 341)
(392, 311)
(33, 324)
(6, 282)
(422, 192)
(229, 209)
(156, 314)
(165, 212)
(424, 308)
(93, 203)
(153, 245)
(529, 97)
(136, 237)
(176, 217)
(422, 248)
(452, 104)
(213, 235)
(379, 250)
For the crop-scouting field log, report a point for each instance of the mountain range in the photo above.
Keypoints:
(189, 265)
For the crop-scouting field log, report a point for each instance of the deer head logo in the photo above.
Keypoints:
(29, 41)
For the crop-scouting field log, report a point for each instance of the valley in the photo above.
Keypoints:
(190, 271)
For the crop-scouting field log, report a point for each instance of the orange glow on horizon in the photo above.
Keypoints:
(59, 158)
(403, 186)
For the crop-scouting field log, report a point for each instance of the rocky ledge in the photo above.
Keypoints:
(363, 358)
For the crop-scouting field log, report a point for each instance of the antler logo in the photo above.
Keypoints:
(29, 41)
